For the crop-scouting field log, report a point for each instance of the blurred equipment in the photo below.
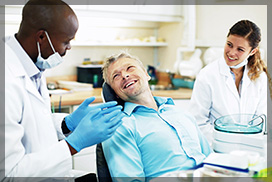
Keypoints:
(212, 53)
(183, 82)
(152, 73)
(240, 132)
(191, 67)
(87, 61)
(51, 86)
(74, 86)
(90, 74)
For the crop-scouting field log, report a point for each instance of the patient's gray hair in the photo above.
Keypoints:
(111, 59)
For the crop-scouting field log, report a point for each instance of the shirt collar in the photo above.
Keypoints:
(29, 66)
(129, 107)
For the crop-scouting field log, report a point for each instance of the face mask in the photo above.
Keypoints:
(243, 63)
(52, 61)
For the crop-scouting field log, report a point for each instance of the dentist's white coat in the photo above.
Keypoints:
(215, 95)
(32, 133)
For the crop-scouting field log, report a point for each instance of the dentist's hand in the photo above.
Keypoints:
(75, 117)
(98, 125)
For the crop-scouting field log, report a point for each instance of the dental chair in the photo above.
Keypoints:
(108, 94)
(103, 172)
(102, 168)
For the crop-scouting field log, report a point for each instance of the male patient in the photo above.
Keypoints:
(156, 137)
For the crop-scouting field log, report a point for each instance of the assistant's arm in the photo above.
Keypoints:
(201, 100)
(201, 104)
(262, 105)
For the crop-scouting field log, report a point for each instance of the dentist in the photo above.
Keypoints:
(35, 145)
(235, 83)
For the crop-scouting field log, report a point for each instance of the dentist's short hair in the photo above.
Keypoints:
(111, 59)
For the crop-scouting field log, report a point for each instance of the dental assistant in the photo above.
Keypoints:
(35, 144)
(236, 83)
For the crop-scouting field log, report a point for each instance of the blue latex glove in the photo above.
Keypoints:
(75, 117)
(97, 126)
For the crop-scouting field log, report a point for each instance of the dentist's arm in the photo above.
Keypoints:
(98, 125)
(72, 120)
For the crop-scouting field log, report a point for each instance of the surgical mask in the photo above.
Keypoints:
(243, 63)
(52, 61)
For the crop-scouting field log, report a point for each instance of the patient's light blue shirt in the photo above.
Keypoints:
(151, 143)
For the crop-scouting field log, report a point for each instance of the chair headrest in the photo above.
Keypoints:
(109, 94)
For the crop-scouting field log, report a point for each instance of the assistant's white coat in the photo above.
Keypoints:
(215, 95)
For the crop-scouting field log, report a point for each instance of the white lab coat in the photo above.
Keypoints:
(215, 95)
(32, 133)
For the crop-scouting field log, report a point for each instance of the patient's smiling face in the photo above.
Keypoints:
(127, 78)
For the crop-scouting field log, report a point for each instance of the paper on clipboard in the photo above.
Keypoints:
(228, 161)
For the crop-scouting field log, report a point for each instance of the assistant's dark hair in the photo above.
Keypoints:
(251, 32)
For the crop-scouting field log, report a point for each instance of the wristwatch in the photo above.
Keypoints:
(64, 127)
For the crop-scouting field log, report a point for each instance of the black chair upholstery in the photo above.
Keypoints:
(101, 164)
(109, 95)
(102, 168)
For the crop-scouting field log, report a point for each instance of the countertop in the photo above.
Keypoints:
(77, 97)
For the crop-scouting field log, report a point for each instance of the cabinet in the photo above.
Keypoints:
(121, 44)
(124, 25)
(151, 13)
(114, 8)
(164, 10)
(102, 25)
(157, 13)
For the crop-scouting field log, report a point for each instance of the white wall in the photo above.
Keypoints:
(172, 32)
(214, 21)
(212, 25)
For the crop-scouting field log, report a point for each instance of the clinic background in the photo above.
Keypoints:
(191, 27)
(209, 25)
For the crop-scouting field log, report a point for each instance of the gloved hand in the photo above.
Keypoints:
(75, 117)
(98, 125)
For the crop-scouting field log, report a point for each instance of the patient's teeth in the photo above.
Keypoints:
(129, 84)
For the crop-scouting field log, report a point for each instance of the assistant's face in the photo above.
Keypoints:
(127, 78)
(61, 37)
(236, 50)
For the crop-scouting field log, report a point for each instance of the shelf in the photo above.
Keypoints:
(121, 44)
